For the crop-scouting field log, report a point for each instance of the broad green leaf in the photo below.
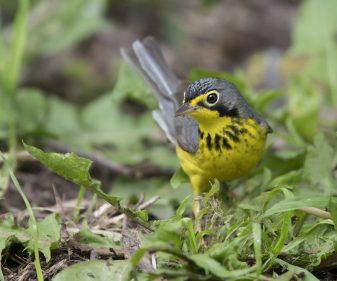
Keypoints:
(314, 244)
(75, 169)
(70, 166)
(48, 230)
(86, 236)
(7, 226)
(130, 86)
(106, 124)
(265, 98)
(315, 25)
(169, 233)
(319, 162)
(31, 110)
(314, 35)
(291, 177)
(98, 270)
(178, 178)
(49, 234)
(296, 269)
(122, 136)
(62, 120)
(304, 108)
(58, 25)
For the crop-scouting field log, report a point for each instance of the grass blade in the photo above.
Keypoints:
(31, 218)
(257, 248)
(18, 42)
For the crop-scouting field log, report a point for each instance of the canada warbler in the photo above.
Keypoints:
(216, 133)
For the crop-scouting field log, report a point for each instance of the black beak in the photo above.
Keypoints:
(186, 108)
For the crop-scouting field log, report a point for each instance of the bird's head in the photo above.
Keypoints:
(207, 99)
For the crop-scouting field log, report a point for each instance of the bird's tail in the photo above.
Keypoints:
(146, 58)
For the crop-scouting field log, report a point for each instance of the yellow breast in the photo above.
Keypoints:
(226, 151)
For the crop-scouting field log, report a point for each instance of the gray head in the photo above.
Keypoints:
(216, 97)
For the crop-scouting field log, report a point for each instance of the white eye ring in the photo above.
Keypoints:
(211, 98)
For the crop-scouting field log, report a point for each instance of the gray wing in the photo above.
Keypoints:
(146, 58)
(188, 131)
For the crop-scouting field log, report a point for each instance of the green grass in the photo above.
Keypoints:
(32, 219)
(278, 223)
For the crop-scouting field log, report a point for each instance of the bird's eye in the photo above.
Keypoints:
(212, 98)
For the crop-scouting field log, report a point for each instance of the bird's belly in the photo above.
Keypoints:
(224, 163)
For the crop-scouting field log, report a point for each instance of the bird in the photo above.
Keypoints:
(217, 134)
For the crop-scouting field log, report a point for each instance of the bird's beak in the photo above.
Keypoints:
(186, 108)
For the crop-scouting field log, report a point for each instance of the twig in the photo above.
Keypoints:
(20, 156)
(148, 203)
(102, 210)
(56, 268)
(74, 230)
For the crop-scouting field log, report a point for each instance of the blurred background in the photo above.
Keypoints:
(73, 47)
(64, 86)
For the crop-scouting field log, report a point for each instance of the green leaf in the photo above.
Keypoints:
(296, 269)
(319, 162)
(14, 60)
(183, 205)
(212, 266)
(107, 125)
(291, 177)
(61, 25)
(130, 86)
(98, 270)
(48, 234)
(314, 244)
(285, 229)
(86, 236)
(294, 204)
(190, 236)
(314, 35)
(62, 120)
(304, 108)
(30, 119)
(265, 98)
(313, 19)
(179, 178)
(69, 166)
(76, 169)
(256, 228)
(169, 234)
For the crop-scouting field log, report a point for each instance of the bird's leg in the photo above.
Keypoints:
(197, 186)
(196, 204)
